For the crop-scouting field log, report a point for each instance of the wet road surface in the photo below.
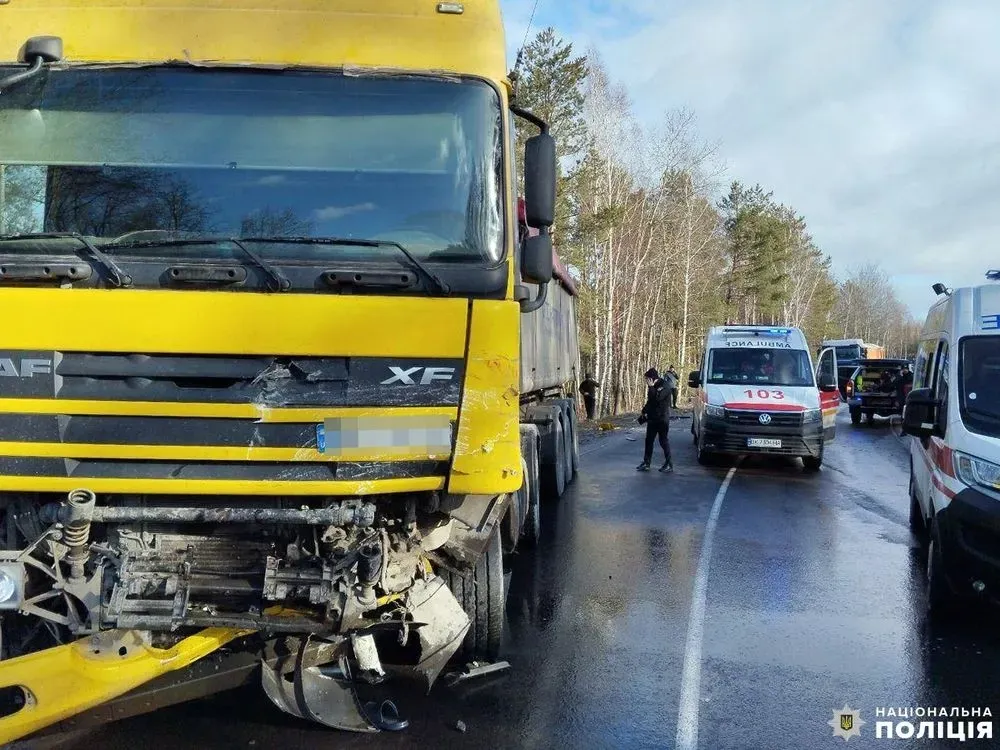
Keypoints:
(813, 598)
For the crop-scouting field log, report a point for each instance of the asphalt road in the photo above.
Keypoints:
(623, 634)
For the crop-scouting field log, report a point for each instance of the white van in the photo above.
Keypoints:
(758, 393)
(953, 414)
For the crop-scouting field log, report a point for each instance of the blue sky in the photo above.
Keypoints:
(879, 121)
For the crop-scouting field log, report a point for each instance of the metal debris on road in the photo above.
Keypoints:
(476, 669)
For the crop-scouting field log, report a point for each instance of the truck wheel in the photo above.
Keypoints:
(855, 416)
(553, 468)
(568, 442)
(942, 602)
(575, 442)
(481, 594)
(531, 530)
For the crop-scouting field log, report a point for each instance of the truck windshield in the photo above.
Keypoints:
(122, 154)
(979, 374)
(848, 353)
(760, 366)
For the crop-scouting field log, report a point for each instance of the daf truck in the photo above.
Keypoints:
(286, 364)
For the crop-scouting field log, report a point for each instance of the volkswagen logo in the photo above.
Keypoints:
(764, 419)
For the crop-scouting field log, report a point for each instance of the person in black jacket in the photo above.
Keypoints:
(656, 416)
(589, 388)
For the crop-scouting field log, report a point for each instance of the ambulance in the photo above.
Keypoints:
(758, 392)
(953, 415)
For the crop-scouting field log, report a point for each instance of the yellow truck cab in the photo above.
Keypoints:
(277, 368)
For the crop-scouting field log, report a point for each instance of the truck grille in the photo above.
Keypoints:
(236, 419)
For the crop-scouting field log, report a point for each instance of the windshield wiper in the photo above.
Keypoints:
(279, 282)
(440, 283)
(118, 277)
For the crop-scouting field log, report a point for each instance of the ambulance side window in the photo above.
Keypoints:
(941, 382)
(922, 368)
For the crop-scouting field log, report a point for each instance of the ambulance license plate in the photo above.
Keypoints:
(763, 443)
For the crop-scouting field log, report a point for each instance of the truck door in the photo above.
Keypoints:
(829, 397)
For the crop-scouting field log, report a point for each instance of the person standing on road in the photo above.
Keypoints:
(673, 381)
(656, 416)
(589, 388)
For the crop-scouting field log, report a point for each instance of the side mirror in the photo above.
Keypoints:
(828, 384)
(694, 379)
(918, 413)
(536, 259)
(540, 180)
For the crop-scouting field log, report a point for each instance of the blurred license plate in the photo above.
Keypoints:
(763, 443)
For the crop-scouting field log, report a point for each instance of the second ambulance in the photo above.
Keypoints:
(758, 392)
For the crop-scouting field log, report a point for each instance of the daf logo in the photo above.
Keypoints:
(764, 419)
(25, 368)
(408, 376)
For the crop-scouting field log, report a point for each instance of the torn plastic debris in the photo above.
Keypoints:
(476, 669)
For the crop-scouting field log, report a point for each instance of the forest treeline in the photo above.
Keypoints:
(663, 246)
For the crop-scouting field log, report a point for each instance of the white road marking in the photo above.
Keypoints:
(687, 713)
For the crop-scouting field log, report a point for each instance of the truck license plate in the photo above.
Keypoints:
(763, 443)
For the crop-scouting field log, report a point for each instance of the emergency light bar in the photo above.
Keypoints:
(757, 331)
(993, 275)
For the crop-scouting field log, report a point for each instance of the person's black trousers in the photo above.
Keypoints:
(589, 402)
(656, 430)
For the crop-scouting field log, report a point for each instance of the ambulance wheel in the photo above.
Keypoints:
(942, 601)
(481, 593)
(705, 457)
(813, 463)
(917, 523)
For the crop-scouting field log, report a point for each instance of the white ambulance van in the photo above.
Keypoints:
(953, 414)
(757, 392)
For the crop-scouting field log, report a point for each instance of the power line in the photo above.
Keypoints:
(527, 30)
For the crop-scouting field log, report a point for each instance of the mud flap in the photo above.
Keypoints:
(318, 682)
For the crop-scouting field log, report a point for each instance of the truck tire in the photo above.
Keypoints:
(531, 528)
(575, 426)
(552, 459)
(482, 596)
(568, 440)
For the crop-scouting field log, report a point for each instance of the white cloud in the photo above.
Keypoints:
(876, 120)
(338, 212)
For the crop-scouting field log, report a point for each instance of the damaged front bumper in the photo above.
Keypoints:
(312, 677)
(318, 680)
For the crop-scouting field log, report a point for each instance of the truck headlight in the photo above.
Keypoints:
(715, 411)
(11, 585)
(974, 471)
(812, 415)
